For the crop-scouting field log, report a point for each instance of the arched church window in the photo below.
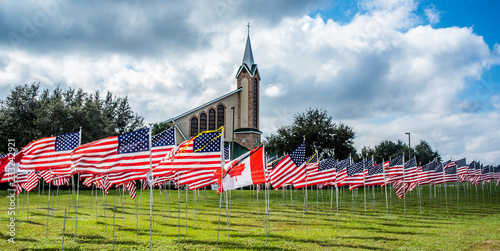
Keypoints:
(194, 126)
(211, 119)
(220, 116)
(203, 122)
(255, 102)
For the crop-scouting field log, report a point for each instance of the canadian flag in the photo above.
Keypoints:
(246, 170)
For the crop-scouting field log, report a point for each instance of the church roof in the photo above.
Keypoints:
(248, 63)
(205, 105)
(248, 55)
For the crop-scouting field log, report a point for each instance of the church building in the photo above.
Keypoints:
(237, 111)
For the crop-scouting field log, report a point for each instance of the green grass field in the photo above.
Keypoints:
(472, 223)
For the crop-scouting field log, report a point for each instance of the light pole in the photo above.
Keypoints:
(409, 146)
(232, 140)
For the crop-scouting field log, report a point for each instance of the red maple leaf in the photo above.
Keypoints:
(237, 170)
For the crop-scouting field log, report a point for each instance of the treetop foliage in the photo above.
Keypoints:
(320, 133)
(30, 113)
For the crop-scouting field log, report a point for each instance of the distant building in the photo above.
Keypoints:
(242, 102)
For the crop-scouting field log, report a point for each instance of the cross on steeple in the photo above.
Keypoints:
(248, 25)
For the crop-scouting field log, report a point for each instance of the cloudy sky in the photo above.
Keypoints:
(383, 67)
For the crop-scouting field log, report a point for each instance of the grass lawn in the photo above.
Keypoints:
(472, 223)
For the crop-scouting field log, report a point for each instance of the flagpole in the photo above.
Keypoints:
(150, 181)
(364, 188)
(76, 209)
(77, 190)
(337, 195)
(48, 205)
(404, 181)
(385, 188)
(222, 161)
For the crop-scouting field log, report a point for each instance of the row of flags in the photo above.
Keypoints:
(204, 160)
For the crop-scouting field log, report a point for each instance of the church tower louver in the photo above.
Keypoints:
(247, 131)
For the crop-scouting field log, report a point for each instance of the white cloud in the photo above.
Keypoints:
(433, 15)
(274, 90)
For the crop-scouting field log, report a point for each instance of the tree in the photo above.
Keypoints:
(387, 149)
(320, 134)
(29, 113)
(425, 154)
(160, 127)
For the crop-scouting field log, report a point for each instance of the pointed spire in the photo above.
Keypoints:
(248, 56)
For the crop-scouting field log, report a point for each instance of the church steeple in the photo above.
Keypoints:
(248, 63)
(247, 131)
(248, 55)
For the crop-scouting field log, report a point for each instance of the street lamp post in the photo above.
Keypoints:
(409, 146)
(232, 140)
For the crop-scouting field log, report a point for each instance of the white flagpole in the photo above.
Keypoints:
(150, 191)
(222, 161)
(77, 190)
(404, 195)
(385, 186)
(364, 187)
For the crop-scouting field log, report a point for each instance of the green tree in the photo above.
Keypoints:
(320, 134)
(29, 113)
(387, 149)
(160, 127)
(425, 154)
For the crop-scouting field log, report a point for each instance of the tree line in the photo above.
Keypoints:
(29, 113)
(329, 139)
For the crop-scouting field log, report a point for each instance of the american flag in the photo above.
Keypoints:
(47, 176)
(461, 169)
(271, 164)
(426, 173)
(394, 171)
(59, 181)
(290, 168)
(32, 181)
(497, 174)
(311, 166)
(131, 188)
(324, 174)
(50, 153)
(375, 175)
(487, 173)
(450, 172)
(471, 171)
(124, 153)
(162, 143)
(438, 174)
(478, 171)
(410, 171)
(201, 152)
(355, 173)
(341, 171)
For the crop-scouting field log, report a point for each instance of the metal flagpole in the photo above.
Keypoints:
(337, 196)
(76, 209)
(364, 188)
(136, 214)
(114, 209)
(385, 187)
(48, 206)
(404, 181)
(64, 228)
(222, 161)
(186, 188)
(77, 190)
(150, 181)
